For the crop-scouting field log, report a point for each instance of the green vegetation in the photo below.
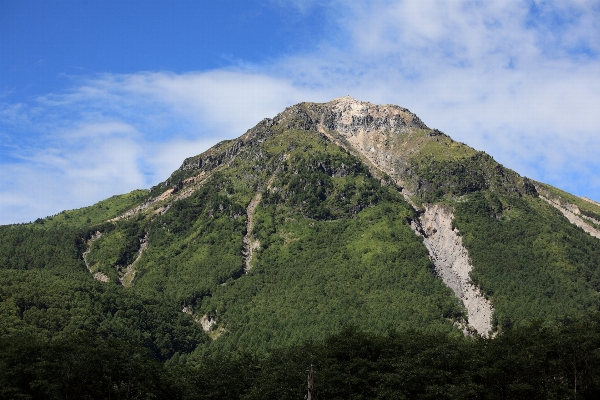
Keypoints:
(448, 178)
(48, 304)
(312, 278)
(527, 362)
(528, 258)
(78, 367)
(96, 214)
(588, 209)
(47, 292)
(332, 239)
(435, 145)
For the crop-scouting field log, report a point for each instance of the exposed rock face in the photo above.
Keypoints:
(250, 243)
(370, 131)
(571, 212)
(99, 276)
(127, 278)
(452, 264)
(352, 117)
(207, 323)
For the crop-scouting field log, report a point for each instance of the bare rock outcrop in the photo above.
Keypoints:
(127, 278)
(250, 243)
(452, 264)
(571, 213)
(208, 323)
(97, 275)
(368, 129)
(352, 117)
(160, 204)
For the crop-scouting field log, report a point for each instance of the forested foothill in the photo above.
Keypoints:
(526, 362)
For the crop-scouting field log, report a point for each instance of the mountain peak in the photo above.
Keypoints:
(350, 116)
(389, 138)
(356, 115)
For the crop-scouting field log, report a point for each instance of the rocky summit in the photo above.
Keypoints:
(327, 216)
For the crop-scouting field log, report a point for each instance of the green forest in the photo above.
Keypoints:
(532, 361)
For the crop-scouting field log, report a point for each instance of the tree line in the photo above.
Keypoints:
(533, 361)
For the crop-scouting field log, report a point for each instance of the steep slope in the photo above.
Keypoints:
(452, 264)
(335, 248)
(398, 149)
(324, 216)
(582, 212)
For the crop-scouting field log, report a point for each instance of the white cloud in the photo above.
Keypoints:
(74, 170)
(301, 6)
(115, 133)
(164, 158)
(518, 79)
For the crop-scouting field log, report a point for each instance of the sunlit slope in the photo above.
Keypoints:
(300, 227)
(335, 248)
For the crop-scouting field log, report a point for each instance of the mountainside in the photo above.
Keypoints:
(328, 215)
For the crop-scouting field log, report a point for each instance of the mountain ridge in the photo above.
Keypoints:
(359, 128)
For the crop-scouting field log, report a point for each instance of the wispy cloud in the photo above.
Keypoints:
(518, 79)
(110, 134)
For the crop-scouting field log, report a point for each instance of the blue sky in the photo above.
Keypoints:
(102, 97)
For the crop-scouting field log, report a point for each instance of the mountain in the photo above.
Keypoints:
(328, 215)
